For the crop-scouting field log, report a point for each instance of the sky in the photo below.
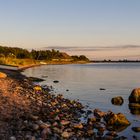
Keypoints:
(85, 24)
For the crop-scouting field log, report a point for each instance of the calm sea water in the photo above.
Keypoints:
(83, 82)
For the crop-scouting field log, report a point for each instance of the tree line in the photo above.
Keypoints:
(37, 54)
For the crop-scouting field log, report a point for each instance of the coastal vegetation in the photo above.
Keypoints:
(21, 57)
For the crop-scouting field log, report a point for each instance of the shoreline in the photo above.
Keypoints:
(51, 63)
(113, 61)
(22, 68)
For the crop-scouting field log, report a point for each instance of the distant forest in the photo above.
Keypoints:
(49, 55)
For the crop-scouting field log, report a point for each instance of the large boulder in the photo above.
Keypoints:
(135, 96)
(116, 119)
(3, 75)
(117, 100)
(134, 101)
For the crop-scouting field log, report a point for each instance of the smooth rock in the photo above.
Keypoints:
(90, 132)
(12, 138)
(106, 137)
(56, 81)
(33, 117)
(57, 130)
(45, 132)
(91, 120)
(112, 133)
(65, 134)
(78, 126)
(99, 114)
(35, 126)
(102, 89)
(135, 96)
(35, 79)
(116, 119)
(117, 100)
(65, 122)
(3, 75)
(33, 138)
(136, 129)
(44, 125)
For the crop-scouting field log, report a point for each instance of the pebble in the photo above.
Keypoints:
(90, 132)
(12, 138)
(35, 126)
(65, 134)
(102, 89)
(78, 126)
(56, 81)
(44, 125)
(112, 133)
(33, 138)
(33, 117)
(65, 122)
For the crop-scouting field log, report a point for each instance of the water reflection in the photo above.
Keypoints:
(134, 108)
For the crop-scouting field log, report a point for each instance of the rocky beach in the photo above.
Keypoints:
(32, 112)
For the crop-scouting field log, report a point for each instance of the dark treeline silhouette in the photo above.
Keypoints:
(37, 54)
(80, 58)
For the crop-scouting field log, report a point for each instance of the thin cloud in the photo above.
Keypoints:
(92, 48)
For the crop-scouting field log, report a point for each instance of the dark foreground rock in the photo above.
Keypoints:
(136, 129)
(117, 100)
(35, 79)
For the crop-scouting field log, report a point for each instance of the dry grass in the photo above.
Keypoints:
(17, 62)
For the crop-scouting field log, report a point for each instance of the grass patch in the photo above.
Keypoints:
(17, 62)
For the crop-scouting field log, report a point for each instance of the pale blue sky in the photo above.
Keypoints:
(42, 23)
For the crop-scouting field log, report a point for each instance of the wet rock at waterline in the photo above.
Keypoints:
(113, 119)
(98, 114)
(56, 81)
(136, 129)
(135, 96)
(117, 100)
(35, 79)
(134, 101)
(102, 89)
